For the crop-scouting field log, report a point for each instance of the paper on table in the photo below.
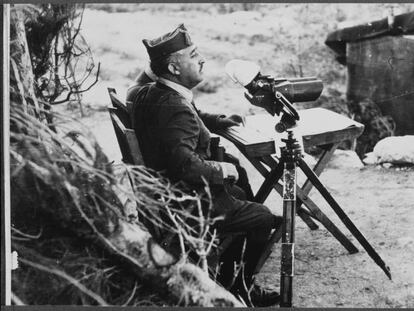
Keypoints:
(319, 120)
(261, 128)
(250, 134)
(312, 121)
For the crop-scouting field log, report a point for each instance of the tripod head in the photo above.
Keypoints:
(274, 95)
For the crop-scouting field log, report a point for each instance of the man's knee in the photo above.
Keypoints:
(262, 216)
(268, 219)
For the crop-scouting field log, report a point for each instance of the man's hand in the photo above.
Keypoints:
(234, 119)
(229, 171)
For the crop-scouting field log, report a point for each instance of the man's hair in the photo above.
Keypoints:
(159, 66)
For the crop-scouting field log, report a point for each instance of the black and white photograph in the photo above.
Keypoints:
(208, 155)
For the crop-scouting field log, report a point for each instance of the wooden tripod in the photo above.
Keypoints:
(291, 157)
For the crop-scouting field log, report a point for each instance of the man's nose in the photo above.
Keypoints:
(201, 60)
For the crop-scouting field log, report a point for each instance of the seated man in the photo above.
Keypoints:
(174, 137)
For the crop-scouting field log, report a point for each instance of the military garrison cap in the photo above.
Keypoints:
(169, 43)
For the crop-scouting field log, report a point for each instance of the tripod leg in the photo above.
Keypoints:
(344, 217)
(324, 220)
(267, 186)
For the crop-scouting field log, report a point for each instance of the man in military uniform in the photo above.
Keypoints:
(175, 138)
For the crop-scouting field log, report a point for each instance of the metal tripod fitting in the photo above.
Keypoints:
(292, 151)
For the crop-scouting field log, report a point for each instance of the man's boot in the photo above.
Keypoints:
(263, 298)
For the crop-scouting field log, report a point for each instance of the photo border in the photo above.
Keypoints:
(5, 165)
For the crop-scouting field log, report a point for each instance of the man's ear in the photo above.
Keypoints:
(173, 69)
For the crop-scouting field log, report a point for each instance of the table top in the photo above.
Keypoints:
(317, 126)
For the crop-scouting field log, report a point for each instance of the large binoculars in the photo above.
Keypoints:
(276, 95)
(294, 89)
(248, 75)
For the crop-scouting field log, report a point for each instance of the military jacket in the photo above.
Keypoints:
(173, 135)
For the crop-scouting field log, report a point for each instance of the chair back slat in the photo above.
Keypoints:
(127, 141)
(136, 155)
(123, 111)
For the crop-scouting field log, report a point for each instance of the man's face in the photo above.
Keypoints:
(190, 65)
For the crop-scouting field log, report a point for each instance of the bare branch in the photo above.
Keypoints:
(68, 278)
(71, 92)
(26, 236)
(131, 296)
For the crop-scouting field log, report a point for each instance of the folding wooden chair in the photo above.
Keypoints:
(131, 154)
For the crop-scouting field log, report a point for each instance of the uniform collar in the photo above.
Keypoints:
(182, 90)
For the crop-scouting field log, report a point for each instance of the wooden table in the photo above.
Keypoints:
(260, 143)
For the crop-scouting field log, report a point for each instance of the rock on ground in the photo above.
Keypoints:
(394, 149)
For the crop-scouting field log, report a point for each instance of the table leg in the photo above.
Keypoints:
(307, 186)
(320, 165)
(306, 218)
